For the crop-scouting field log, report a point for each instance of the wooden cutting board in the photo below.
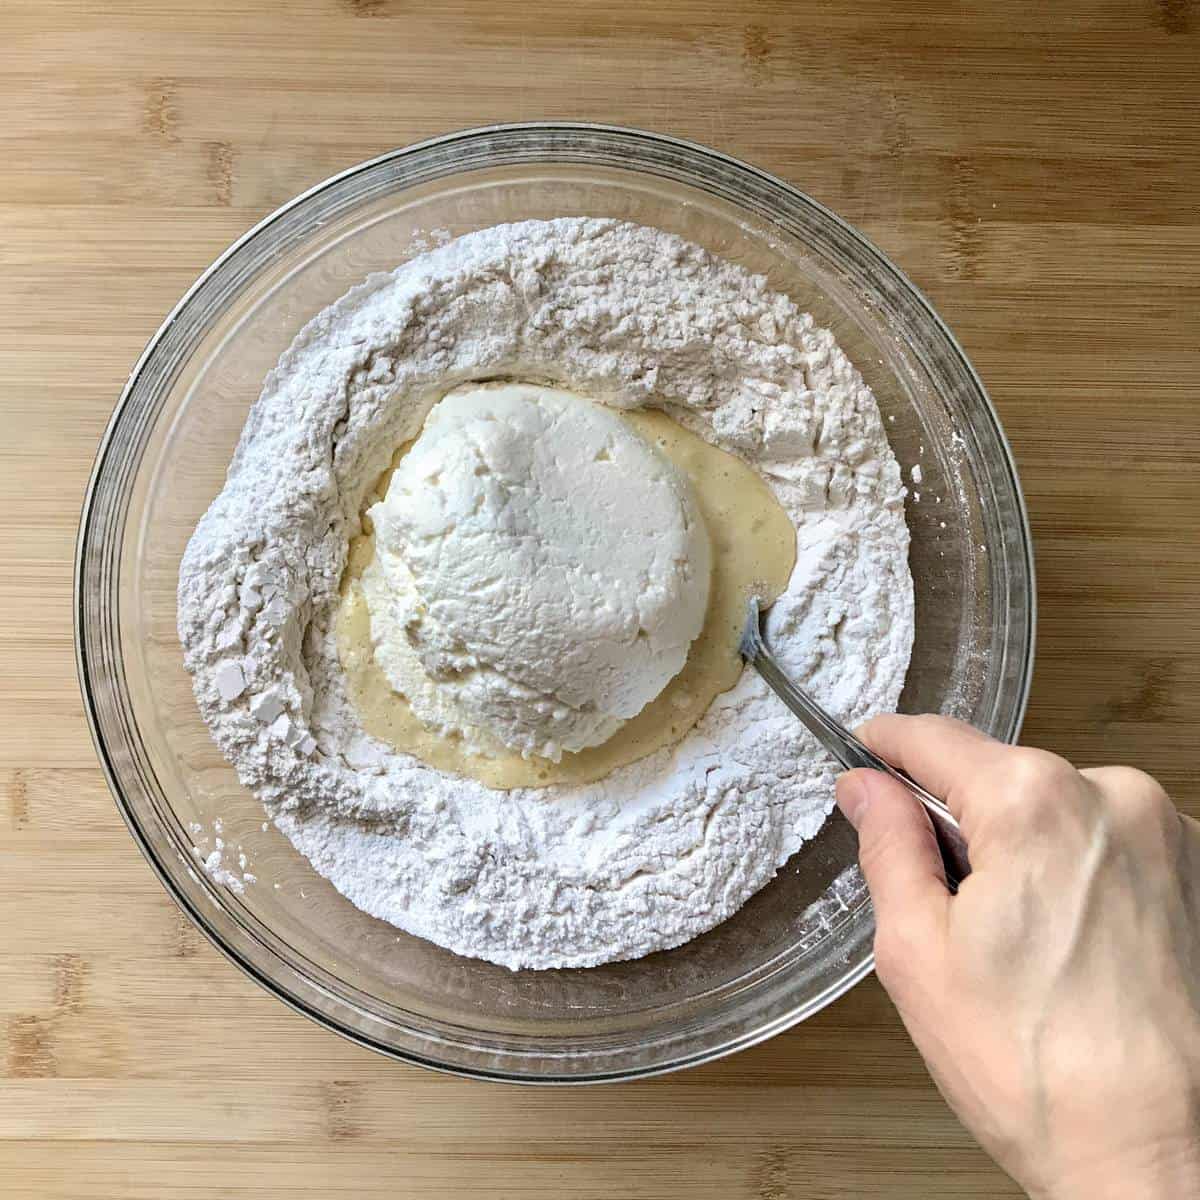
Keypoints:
(1035, 167)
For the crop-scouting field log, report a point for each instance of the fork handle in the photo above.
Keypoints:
(852, 753)
(953, 846)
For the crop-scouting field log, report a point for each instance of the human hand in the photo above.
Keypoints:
(1056, 998)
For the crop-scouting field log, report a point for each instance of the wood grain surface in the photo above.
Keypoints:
(1035, 167)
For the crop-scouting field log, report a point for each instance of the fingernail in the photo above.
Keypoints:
(853, 796)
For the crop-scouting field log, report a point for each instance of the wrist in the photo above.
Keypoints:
(1152, 1175)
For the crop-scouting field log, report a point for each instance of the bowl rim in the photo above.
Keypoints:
(732, 1044)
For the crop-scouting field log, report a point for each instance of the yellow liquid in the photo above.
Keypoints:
(754, 550)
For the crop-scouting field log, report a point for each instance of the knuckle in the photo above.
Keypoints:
(1139, 787)
(871, 723)
(1042, 770)
(1035, 785)
(876, 727)
(874, 851)
(901, 946)
(934, 725)
(881, 850)
(895, 953)
(1134, 795)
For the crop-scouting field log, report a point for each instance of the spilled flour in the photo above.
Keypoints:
(663, 848)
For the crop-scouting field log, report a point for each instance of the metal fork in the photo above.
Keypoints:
(847, 749)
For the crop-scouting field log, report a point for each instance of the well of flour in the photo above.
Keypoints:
(659, 849)
(752, 551)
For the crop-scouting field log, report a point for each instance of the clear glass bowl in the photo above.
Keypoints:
(806, 937)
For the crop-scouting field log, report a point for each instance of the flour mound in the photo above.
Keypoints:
(664, 848)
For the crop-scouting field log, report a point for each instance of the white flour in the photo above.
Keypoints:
(662, 849)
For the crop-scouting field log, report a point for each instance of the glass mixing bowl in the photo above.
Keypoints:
(806, 937)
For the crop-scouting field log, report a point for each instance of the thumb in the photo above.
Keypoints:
(898, 854)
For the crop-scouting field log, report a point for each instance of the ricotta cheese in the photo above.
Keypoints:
(539, 574)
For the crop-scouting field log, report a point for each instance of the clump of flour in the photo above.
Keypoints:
(664, 848)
